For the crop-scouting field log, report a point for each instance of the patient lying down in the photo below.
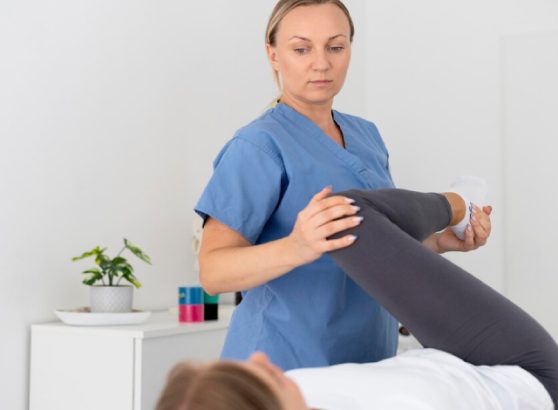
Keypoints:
(482, 351)
(418, 379)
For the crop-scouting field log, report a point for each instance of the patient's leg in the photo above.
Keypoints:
(442, 305)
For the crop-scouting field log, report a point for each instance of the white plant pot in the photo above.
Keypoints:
(111, 299)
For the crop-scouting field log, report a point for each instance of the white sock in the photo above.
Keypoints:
(473, 191)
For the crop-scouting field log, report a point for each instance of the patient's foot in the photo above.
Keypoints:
(471, 190)
(458, 207)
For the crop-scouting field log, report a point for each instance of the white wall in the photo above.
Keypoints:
(111, 113)
(434, 70)
(435, 91)
(530, 102)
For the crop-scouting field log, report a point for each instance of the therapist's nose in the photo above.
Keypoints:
(320, 61)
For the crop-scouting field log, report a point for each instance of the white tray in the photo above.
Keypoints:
(84, 317)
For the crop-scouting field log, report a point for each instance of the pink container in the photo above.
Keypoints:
(190, 313)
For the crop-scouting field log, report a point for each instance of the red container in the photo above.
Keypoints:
(190, 313)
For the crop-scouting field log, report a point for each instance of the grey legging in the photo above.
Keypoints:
(444, 307)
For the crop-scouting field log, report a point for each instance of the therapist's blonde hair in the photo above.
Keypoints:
(283, 7)
(220, 386)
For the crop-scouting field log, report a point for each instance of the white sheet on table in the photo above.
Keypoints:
(425, 379)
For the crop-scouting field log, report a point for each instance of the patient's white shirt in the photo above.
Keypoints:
(425, 379)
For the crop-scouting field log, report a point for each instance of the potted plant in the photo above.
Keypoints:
(106, 292)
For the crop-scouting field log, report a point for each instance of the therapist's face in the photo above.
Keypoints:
(312, 53)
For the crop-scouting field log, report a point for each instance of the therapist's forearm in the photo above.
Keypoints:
(233, 269)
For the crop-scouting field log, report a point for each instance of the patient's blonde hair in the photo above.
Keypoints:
(280, 11)
(220, 386)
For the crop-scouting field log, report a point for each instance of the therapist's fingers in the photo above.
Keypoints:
(322, 217)
(327, 222)
(333, 213)
(468, 243)
(334, 227)
(482, 226)
(319, 204)
(324, 193)
(322, 210)
(334, 244)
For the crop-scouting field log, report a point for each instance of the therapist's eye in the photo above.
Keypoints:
(336, 49)
(301, 50)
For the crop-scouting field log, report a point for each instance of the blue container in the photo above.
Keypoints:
(192, 295)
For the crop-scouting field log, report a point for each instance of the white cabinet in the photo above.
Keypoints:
(115, 367)
(120, 367)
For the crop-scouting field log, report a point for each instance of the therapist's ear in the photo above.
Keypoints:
(272, 56)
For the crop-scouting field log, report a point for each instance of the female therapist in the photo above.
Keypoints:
(267, 216)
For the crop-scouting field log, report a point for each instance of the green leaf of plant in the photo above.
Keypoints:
(95, 276)
(126, 270)
(94, 271)
(104, 262)
(130, 278)
(89, 281)
(84, 255)
(112, 269)
(137, 251)
(119, 260)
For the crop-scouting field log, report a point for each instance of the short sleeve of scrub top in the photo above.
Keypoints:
(314, 315)
(245, 187)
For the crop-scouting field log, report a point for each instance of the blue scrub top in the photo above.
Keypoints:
(314, 315)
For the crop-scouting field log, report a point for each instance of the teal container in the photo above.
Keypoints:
(210, 306)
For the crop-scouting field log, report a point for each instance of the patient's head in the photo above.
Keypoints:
(252, 385)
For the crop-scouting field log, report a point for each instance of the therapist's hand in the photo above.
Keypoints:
(324, 216)
(475, 236)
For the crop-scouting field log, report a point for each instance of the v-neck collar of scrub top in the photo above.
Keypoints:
(344, 154)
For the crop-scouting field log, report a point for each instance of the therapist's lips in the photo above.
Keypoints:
(321, 82)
